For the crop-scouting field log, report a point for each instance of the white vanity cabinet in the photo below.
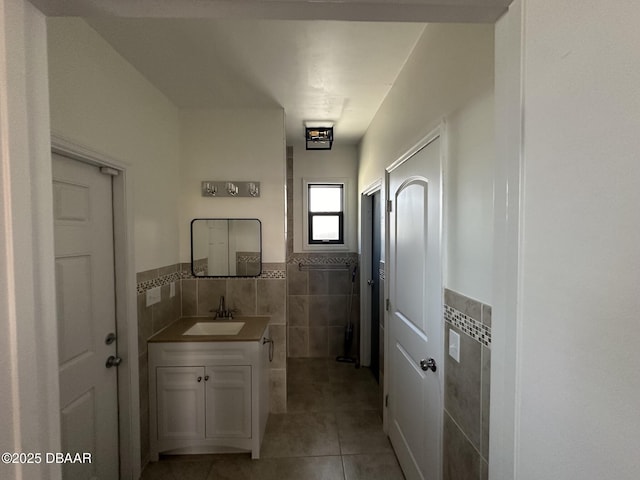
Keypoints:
(208, 396)
(203, 402)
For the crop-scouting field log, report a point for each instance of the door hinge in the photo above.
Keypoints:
(386, 400)
(109, 171)
(389, 206)
(387, 304)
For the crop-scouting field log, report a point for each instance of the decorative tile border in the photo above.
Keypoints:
(274, 274)
(266, 274)
(158, 282)
(472, 327)
(247, 257)
(185, 273)
(319, 259)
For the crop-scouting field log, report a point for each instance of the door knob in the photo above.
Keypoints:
(113, 361)
(429, 364)
(370, 282)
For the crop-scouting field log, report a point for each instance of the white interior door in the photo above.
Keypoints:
(415, 314)
(218, 247)
(83, 216)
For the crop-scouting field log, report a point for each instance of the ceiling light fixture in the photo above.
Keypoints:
(318, 137)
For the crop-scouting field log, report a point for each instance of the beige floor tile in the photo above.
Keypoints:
(307, 370)
(301, 435)
(302, 468)
(177, 470)
(371, 467)
(312, 397)
(361, 432)
(355, 396)
(347, 373)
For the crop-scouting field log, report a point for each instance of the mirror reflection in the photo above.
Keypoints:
(226, 247)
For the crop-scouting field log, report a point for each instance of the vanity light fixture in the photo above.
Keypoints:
(318, 135)
(230, 188)
(254, 191)
(209, 189)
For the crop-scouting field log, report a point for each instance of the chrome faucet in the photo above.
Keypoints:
(222, 311)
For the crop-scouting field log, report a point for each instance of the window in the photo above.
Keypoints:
(325, 210)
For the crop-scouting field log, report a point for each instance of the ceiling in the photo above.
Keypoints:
(308, 57)
(333, 71)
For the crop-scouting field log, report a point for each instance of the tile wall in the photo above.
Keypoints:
(263, 295)
(466, 393)
(318, 299)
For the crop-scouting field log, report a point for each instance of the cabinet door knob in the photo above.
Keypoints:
(206, 378)
(199, 379)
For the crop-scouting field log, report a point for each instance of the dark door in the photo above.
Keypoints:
(374, 275)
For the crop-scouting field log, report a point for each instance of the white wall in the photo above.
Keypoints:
(448, 75)
(29, 396)
(339, 162)
(234, 144)
(449, 66)
(100, 101)
(577, 361)
(505, 320)
(469, 198)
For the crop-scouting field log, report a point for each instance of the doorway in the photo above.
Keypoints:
(86, 311)
(415, 330)
(374, 282)
(371, 286)
(119, 277)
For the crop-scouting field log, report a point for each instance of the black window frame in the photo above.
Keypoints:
(339, 214)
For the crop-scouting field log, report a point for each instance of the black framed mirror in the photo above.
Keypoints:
(226, 247)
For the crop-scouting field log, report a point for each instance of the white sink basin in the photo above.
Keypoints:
(215, 328)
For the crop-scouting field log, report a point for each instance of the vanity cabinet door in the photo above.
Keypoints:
(180, 400)
(228, 398)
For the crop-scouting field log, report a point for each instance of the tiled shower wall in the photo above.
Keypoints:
(466, 393)
(264, 295)
(318, 299)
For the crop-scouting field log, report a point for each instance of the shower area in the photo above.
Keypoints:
(323, 298)
(323, 306)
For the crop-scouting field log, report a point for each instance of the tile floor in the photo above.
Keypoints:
(331, 431)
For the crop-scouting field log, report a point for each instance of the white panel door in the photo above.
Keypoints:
(415, 336)
(83, 216)
(218, 247)
(228, 401)
(180, 394)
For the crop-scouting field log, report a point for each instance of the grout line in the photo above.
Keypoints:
(465, 435)
(344, 470)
